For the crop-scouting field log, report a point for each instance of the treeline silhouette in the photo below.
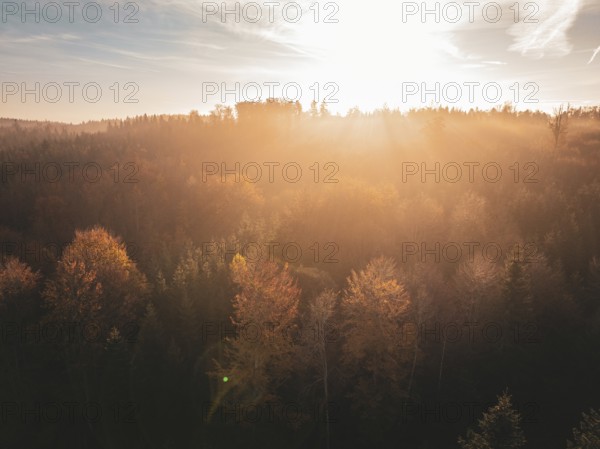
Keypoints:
(269, 277)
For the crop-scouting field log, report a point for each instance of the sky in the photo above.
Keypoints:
(78, 61)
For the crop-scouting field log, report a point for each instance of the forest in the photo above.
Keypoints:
(266, 277)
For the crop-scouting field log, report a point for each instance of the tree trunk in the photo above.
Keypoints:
(414, 364)
(442, 364)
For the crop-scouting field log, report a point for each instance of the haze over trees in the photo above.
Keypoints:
(270, 277)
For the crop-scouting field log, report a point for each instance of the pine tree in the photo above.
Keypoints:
(588, 434)
(156, 390)
(314, 111)
(500, 428)
(516, 292)
(593, 287)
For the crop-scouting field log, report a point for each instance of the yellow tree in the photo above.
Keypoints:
(376, 352)
(17, 283)
(260, 357)
(95, 281)
(98, 288)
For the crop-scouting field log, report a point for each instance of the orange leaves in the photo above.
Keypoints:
(265, 310)
(16, 278)
(266, 290)
(17, 284)
(75, 293)
(376, 290)
(374, 307)
(96, 280)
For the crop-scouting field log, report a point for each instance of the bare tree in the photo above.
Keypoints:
(559, 122)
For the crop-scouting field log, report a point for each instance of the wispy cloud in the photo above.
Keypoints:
(596, 51)
(547, 37)
(105, 64)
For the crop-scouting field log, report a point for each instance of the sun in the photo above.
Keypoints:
(370, 52)
(356, 54)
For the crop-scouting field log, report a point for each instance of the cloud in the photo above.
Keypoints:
(596, 51)
(547, 37)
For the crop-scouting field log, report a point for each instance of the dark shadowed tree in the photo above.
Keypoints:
(17, 288)
(500, 428)
(17, 284)
(321, 311)
(587, 436)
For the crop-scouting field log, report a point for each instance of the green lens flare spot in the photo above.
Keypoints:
(225, 379)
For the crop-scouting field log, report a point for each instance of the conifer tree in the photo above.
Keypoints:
(500, 428)
(587, 436)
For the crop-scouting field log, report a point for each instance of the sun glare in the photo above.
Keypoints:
(371, 61)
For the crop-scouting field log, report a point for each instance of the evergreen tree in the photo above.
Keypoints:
(588, 434)
(500, 428)
(516, 293)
